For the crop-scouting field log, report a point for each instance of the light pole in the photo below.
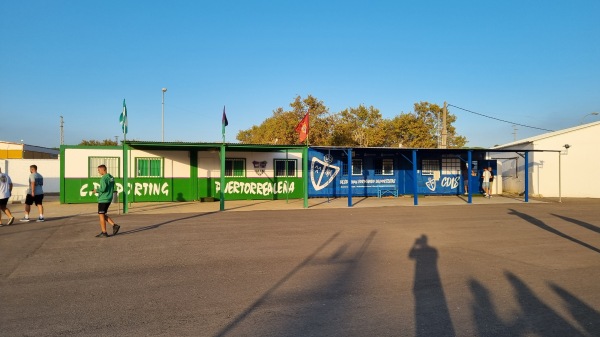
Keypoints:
(163, 113)
(590, 114)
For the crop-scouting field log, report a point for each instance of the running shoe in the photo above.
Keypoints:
(116, 229)
(102, 235)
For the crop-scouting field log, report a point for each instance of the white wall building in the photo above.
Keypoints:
(565, 166)
(18, 170)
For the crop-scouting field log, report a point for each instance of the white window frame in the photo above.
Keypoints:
(113, 166)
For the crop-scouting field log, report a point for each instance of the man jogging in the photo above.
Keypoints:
(105, 194)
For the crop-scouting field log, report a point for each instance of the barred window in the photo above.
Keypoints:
(429, 167)
(285, 168)
(450, 165)
(235, 167)
(357, 167)
(112, 166)
(149, 167)
(384, 166)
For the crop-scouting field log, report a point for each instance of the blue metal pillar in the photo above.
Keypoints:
(415, 184)
(526, 176)
(349, 177)
(469, 178)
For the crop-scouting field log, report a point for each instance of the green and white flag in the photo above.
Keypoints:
(123, 118)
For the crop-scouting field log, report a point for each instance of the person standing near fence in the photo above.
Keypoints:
(6, 186)
(105, 195)
(35, 193)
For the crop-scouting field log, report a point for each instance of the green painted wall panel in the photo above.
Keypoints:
(258, 188)
(79, 190)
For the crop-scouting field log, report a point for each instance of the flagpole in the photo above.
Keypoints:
(125, 159)
(305, 161)
(303, 129)
(224, 123)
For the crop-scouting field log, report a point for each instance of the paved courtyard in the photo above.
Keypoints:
(498, 267)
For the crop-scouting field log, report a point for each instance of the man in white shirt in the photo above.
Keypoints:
(486, 182)
(6, 186)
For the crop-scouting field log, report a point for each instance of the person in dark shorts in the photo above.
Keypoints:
(6, 186)
(35, 193)
(105, 194)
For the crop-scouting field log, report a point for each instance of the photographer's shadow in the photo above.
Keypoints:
(432, 316)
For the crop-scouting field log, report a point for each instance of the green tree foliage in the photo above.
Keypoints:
(280, 128)
(422, 128)
(92, 142)
(360, 126)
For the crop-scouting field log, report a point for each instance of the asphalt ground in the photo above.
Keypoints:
(497, 267)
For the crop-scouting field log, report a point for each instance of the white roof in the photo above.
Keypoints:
(547, 135)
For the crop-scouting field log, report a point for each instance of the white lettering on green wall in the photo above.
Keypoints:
(253, 188)
(140, 189)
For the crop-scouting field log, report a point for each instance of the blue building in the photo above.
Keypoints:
(394, 171)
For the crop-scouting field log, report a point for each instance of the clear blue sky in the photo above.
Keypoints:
(529, 62)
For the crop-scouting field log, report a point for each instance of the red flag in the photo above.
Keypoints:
(302, 128)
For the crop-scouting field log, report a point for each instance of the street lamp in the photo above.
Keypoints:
(163, 113)
(590, 114)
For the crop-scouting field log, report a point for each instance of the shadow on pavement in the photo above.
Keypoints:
(579, 223)
(534, 318)
(141, 229)
(585, 315)
(48, 223)
(543, 226)
(432, 317)
(273, 288)
(321, 309)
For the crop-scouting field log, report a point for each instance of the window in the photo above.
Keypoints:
(429, 166)
(356, 167)
(149, 167)
(384, 166)
(235, 167)
(283, 170)
(450, 165)
(112, 166)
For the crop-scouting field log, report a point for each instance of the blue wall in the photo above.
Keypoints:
(328, 179)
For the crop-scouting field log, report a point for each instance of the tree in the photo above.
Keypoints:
(106, 142)
(360, 126)
(279, 128)
(422, 128)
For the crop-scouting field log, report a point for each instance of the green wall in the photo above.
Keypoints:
(78, 190)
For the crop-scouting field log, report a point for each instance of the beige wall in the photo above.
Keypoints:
(18, 170)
